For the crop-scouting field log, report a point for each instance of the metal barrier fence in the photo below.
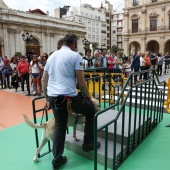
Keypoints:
(143, 114)
(150, 112)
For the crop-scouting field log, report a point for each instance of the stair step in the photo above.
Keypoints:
(110, 115)
(76, 147)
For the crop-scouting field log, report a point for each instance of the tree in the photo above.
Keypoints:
(114, 49)
(95, 45)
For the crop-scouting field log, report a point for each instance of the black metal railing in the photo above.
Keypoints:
(145, 111)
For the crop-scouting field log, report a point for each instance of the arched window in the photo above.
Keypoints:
(34, 41)
(169, 18)
(135, 25)
(153, 21)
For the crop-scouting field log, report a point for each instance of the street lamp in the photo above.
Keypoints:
(85, 41)
(26, 37)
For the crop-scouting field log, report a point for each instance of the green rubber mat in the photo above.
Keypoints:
(17, 149)
(154, 151)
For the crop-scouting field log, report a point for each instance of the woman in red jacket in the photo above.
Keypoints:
(23, 72)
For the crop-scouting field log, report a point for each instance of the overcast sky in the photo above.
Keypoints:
(50, 5)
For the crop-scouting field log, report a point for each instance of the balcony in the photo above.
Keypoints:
(135, 3)
(119, 33)
(119, 40)
(147, 30)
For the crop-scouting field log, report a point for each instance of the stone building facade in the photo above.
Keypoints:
(146, 26)
(48, 32)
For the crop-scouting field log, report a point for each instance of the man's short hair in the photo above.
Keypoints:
(70, 39)
(88, 50)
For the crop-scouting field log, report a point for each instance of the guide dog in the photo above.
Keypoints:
(48, 127)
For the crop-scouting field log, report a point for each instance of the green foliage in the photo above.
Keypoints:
(114, 49)
(81, 54)
(95, 45)
(18, 54)
(120, 53)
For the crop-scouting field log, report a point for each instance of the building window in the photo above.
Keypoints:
(103, 31)
(84, 20)
(72, 18)
(80, 19)
(134, 25)
(153, 24)
(89, 21)
(89, 29)
(154, 0)
(103, 25)
(93, 30)
(81, 13)
(97, 23)
(89, 36)
(97, 30)
(93, 36)
(135, 2)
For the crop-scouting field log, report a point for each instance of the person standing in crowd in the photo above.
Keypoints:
(13, 63)
(148, 63)
(96, 59)
(23, 73)
(118, 67)
(167, 62)
(110, 63)
(6, 62)
(1, 68)
(6, 73)
(87, 60)
(136, 65)
(142, 67)
(154, 60)
(61, 71)
(35, 70)
(104, 63)
(127, 68)
(160, 63)
(104, 60)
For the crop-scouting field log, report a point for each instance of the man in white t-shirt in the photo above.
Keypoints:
(62, 70)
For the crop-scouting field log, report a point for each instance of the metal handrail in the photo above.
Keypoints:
(122, 110)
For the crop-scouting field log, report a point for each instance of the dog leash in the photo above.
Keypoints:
(42, 117)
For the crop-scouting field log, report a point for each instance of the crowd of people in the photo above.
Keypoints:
(16, 71)
(127, 64)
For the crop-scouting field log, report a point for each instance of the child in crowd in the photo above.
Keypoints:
(127, 68)
(6, 73)
(15, 80)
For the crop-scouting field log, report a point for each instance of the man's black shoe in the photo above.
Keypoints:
(90, 147)
(62, 161)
